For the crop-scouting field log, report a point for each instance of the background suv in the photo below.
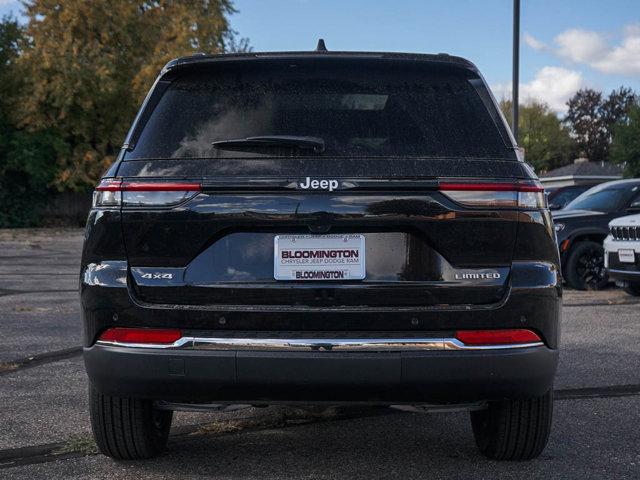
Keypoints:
(582, 226)
(320, 227)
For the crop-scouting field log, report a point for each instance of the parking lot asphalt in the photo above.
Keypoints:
(46, 434)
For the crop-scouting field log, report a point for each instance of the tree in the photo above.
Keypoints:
(27, 169)
(625, 148)
(546, 141)
(10, 36)
(88, 66)
(27, 159)
(592, 118)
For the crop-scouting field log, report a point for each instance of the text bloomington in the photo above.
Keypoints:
(321, 274)
(319, 254)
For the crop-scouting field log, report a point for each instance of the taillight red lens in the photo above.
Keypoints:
(497, 195)
(161, 186)
(497, 337)
(117, 192)
(109, 186)
(141, 335)
(489, 187)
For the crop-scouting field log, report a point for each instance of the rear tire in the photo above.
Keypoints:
(513, 429)
(128, 428)
(633, 288)
(585, 266)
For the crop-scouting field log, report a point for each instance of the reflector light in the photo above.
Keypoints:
(497, 337)
(140, 335)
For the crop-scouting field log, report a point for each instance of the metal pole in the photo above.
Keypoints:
(516, 69)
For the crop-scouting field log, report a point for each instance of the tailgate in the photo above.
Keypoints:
(420, 247)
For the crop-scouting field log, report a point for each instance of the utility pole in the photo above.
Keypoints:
(515, 81)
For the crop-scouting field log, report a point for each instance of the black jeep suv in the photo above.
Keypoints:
(320, 227)
(583, 224)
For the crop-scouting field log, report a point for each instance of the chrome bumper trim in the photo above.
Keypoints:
(319, 345)
(625, 272)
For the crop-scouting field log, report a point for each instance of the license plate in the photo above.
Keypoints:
(319, 257)
(626, 256)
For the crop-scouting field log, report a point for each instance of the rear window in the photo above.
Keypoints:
(367, 110)
(565, 195)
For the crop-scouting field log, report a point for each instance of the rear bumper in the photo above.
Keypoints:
(624, 275)
(447, 376)
(617, 270)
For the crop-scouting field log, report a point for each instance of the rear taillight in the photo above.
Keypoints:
(495, 195)
(108, 194)
(159, 336)
(497, 337)
(111, 193)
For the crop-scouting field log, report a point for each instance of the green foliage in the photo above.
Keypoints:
(625, 149)
(546, 141)
(72, 79)
(27, 168)
(27, 159)
(10, 35)
(592, 118)
(88, 66)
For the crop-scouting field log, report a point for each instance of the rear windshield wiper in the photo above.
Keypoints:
(272, 141)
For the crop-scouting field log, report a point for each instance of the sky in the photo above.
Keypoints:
(565, 44)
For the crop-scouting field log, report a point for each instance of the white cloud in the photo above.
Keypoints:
(632, 30)
(552, 85)
(581, 46)
(623, 59)
(534, 42)
(594, 49)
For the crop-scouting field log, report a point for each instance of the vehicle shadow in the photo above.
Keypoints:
(398, 445)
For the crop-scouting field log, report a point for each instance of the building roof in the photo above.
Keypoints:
(585, 170)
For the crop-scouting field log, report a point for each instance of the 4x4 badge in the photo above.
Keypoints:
(157, 276)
